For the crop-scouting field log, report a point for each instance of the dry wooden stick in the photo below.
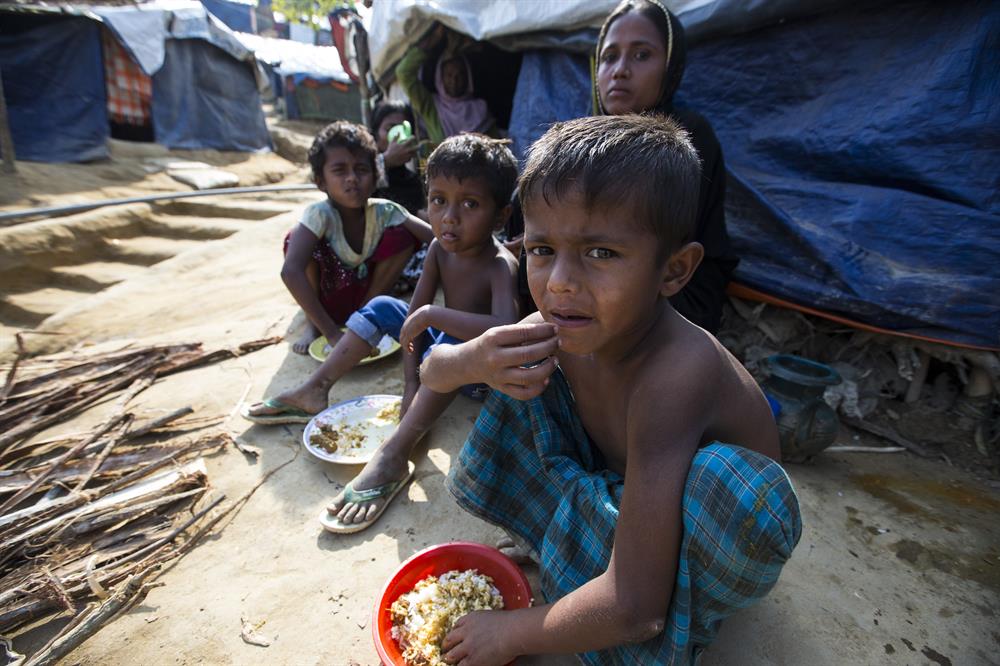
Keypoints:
(89, 474)
(21, 352)
(53, 395)
(118, 463)
(156, 545)
(26, 429)
(171, 366)
(100, 365)
(148, 427)
(892, 436)
(118, 514)
(91, 620)
(142, 430)
(13, 501)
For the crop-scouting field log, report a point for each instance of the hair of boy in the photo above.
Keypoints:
(472, 155)
(341, 134)
(384, 109)
(643, 168)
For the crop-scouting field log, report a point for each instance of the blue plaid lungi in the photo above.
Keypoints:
(529, 467)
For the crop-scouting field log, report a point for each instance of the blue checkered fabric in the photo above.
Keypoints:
(530, 468)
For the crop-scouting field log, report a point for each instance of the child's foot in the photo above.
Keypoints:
(520, 553)
(301, 346)
(384, 472)
(302, 399)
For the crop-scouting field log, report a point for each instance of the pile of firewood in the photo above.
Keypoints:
(95, 515)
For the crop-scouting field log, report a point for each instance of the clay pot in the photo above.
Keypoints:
(806, 424)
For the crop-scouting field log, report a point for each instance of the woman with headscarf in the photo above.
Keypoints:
(451, 109)
(639, 64)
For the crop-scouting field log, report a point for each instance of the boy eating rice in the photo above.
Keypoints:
(607, 458)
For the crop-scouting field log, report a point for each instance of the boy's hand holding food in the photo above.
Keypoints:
(516, 359)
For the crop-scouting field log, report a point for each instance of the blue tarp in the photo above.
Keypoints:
(864, 154)
(145, 29)
(237, 16)
(53, 79)
(863, 149)
(551, 86)
(205, 99)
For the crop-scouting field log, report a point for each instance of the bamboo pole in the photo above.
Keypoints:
(6, 141)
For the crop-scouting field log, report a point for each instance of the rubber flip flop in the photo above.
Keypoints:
(286, 414)
(389, 490)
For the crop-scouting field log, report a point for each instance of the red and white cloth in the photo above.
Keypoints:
(130, 90)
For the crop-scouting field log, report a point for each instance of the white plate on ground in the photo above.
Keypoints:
(386, 346)
(361, 424)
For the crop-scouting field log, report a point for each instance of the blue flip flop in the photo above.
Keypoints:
(387, 491)
(286, 414)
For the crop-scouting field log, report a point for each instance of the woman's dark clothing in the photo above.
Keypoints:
(702, 298)
(404, 188)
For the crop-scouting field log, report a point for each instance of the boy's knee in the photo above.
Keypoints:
(382, 304)
(754, 498)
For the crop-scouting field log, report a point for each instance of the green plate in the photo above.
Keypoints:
(386, 347)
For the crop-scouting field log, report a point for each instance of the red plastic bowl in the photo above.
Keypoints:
(434, 561)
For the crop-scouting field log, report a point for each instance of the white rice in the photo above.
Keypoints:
(422, 617)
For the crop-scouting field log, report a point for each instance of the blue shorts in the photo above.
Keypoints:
(384, 315)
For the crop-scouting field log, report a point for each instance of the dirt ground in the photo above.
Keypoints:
(899, 561)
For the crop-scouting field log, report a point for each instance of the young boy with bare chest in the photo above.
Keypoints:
(470, 178)
(606, 457)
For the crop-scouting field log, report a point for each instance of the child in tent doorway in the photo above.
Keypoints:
(469, 182)
(601, 446)
(451, 108)
(396, 180)
(349, 248)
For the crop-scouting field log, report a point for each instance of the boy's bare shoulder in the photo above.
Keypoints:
(686, 355)
(503, 260)
(730, 405)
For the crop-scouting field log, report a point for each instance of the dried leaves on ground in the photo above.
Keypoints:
(935, 400)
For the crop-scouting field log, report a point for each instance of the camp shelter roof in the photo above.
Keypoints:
(525, 24)
(143, 29)
(288, 57)
(238, 15)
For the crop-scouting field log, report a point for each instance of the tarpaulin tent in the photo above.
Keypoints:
(53, 82)
(238, 16)
(204, 91)
(310, 79)
(862, 142)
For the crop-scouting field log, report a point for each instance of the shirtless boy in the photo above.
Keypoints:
(469, 182)
(607, 457)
